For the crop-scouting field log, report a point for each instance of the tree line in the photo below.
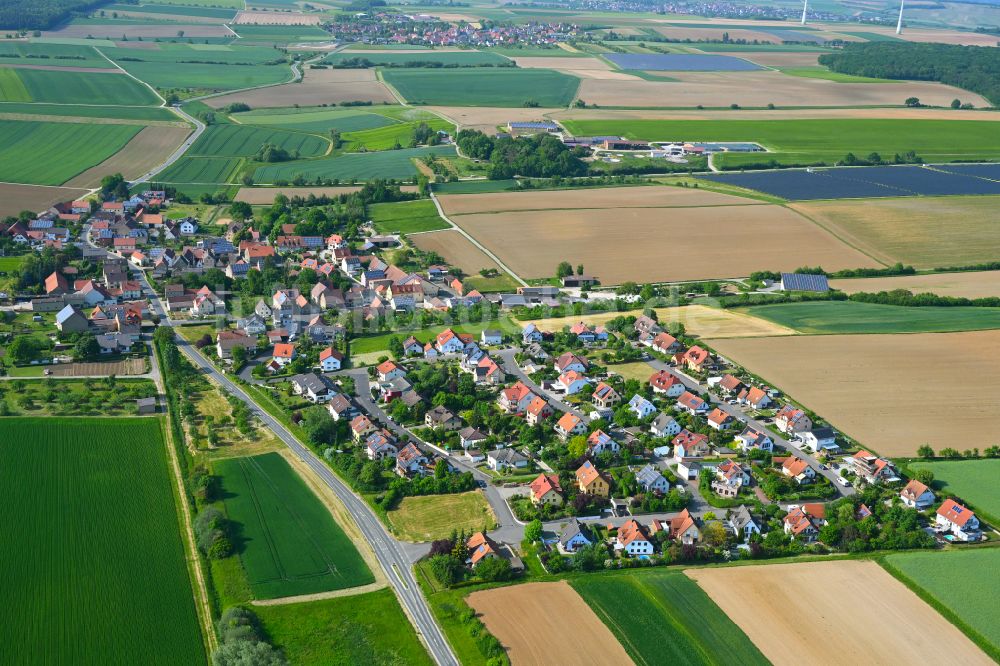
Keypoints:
(970, 67)
(540, 156)
(41, 14)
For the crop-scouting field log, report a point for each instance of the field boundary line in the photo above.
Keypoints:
(475, 242)
(837, 236)
(163, 102)
(319, 596)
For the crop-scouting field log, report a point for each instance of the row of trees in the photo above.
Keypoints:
(970, 67)
(41, 14)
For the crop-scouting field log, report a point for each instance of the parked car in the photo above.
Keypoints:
(844, 482)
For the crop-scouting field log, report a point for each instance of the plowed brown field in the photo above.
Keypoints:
(456, 250)
(147, 149)
(320, 86)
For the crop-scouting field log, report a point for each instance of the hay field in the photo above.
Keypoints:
(921, 231)
(698, 320)
(456, 250)
(430, 517)
(892, 393)
(838, 612)
(36, 198)
(485, 118)
(146, 150)
(320, 86)
(275, 18)
(659, 244)
(535, 621)
(607, 197)
(976, 284)
(782, 58)
(760, 88)
(569, 63)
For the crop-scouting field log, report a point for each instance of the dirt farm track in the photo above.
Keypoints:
(535, 621)
(841, 612)
(892, 393)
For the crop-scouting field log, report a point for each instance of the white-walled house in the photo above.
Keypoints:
(959, 520)
(916, 495)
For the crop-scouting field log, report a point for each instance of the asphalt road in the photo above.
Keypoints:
(177, 154)
(389, 552)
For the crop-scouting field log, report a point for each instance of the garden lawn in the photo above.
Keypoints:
(816, 139)
(41, 153)
(73, 87)
(975, 481)
(823, 317)
(387, 164)
(406, 217)
(361, 629)
(963, 585)
(287, 540)
(664, 617)
(432, 517)
(475, 87)
(96, 566)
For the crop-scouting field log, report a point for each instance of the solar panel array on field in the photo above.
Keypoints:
(681, 62)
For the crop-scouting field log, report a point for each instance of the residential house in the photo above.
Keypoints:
(340, 407)
(646, 324)
(588, 334)
(872, 469)
(114, 343)
(545, 489)
(568, 425)
(742, 522)
(412, 347)
(227, 341)
(571, 382)
(641, 407)
(633, 539)
(538, 410)
(330, 360)
(664, 425)
(691, 403)
(959, 520)
(393, 389)
(798, 469)
(380, 444)
(283, 354)
(790, 420)
(730, 477)
(570, 362)
(443, 418)
(698, 359)
(917, 495)
(505, 459)
(730, 385)
(819, 439)
(719, 420)
(480, 547)
(361, 427)
(804, 522)
(515, 399)
(530, 333)
(448, 342)
(751, 438)
(684, 528)
(689, 444)
(665, 343)
(389, 370)
(410, 461)
(652, 480)
(754, 398)
(471, 437)
(56, 284)
(590, 480)
(487, 371)
(574, 536)
(69, 320)
(599, 441)
(490, 337)
(313, 387)
(605, 397)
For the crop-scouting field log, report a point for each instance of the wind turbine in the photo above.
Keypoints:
(805, 5)
(899, 23)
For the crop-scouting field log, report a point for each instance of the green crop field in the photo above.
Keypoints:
(385, 138)
(62, 87)
(815, 140)
(244, 141)
(8, 264)
(96, 569)
(207, 76)
(664, 617)
(362, 629)
(201, 170)
(824, 73)
(281, 33)
(452, 58)
(235, 4)
(84, 111)
(963, 584)
(406, 217)
(355, 166)
(40, 153)
(51, 55)
(289, 542)
(172, 10)
(319, 121)
(975, 481)
(820, 317)
(12, 88)
(473, 87)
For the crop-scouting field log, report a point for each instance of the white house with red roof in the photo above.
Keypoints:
(798, 469)
(633, 538)
(600, 441)
(571, 382)
(791, 419)
(873, 469)
(538, 410)
(545, 489)
(691, 403)
(569, 425)
(754, 398)
(389, 370)
(917, 495)
(665, 343)
(283, 354)
(448, 342)
(719, 420)
(571, 362)
(689, 444)
(959, 520)
(751, 438)
(330, 360)
(515, 399)
(803, 522)
(666, 384)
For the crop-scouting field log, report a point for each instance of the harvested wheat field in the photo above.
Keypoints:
(132, 31)
(698, 320)
(568, 63)
(782, 59)
(147, 149)
(486, 119)
(976, 284)
(603, 197)
(760, 88)
(276, 18)
(877, 388)
(840, 612)
(659, 244)
(456, 250)
(768, 114)
(320, 86)
(535, 621)
(14, 198)
(921, 231)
